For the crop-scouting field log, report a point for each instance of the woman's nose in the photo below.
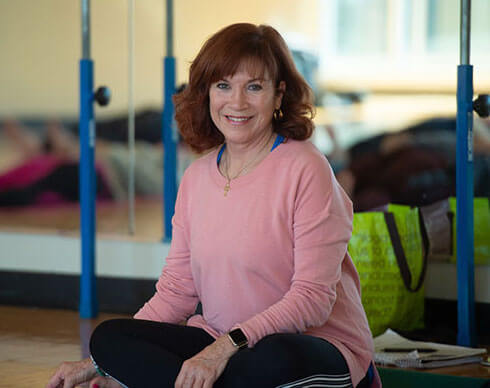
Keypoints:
(238, 99)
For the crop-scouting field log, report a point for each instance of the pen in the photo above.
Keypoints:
(407, 350)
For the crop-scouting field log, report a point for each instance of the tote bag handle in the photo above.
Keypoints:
(400, 255)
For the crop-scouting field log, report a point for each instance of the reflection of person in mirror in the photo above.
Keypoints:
(415, 166)
(48, 169)
(260, 237)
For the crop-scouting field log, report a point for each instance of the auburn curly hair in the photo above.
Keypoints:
(262, 50)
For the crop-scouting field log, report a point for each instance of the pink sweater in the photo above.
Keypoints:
(270, 257)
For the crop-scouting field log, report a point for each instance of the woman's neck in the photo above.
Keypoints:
(241, 159)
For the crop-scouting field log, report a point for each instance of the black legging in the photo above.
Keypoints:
(140, 353)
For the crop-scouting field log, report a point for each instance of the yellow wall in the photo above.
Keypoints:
(40, 46)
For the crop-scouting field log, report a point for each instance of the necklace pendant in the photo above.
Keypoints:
(227, 188)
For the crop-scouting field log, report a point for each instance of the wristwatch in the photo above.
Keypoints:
(238, 339)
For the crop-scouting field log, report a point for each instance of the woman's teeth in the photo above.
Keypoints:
(237, 119)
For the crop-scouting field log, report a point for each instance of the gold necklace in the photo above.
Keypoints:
(227, 187)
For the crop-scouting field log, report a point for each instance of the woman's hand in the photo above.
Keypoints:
(202, 370)
(71, 374)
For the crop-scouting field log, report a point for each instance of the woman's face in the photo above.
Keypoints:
(242, 106)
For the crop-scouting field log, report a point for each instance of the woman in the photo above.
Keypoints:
(260, 239)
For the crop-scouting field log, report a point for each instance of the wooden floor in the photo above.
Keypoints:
(112, 220)
(34, 341)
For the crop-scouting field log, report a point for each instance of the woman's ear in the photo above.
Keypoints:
(281, 89)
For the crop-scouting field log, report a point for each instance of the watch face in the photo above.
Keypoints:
(238, 338)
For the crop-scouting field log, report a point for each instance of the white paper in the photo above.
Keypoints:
(444, 355)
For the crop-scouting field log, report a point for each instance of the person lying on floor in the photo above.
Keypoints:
(49, 168)
(415, 166)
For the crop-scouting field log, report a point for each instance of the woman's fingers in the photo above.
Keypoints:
(104, 382)
(208, 383)
(193, 376)
(204, 368)
(59, 379)
(71, 374)
(56, 380)
(179, 382)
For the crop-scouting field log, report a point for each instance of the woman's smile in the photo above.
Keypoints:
(238, 120)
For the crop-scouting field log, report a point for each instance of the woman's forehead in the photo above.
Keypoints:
(244, 75)
(253, 68)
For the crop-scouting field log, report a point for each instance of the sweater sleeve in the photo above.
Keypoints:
(322, 226)
(175, 298)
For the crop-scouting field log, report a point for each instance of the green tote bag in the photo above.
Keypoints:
(387, 249)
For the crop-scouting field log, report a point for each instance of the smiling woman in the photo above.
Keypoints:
(242, 107)
(257, 53)
(267, 260)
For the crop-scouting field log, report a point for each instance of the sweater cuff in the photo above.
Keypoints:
(252, 337)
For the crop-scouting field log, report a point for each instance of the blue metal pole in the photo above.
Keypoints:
(88, 289)
(170, 28)
(464, 188)
(169, 130)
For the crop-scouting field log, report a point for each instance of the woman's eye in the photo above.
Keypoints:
(255, 87)
(222, 85)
